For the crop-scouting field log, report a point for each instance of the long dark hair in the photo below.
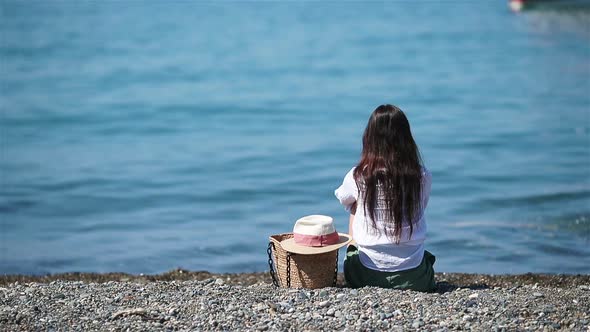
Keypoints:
(390, 172)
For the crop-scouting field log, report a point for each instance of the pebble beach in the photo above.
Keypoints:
(200, 301)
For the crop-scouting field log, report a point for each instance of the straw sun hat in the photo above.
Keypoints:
(308, 257)
(313, 235)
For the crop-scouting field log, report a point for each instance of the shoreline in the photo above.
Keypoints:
(181, 300)
(443, 279)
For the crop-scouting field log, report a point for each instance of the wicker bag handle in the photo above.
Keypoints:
(273, 273)
(272, 269)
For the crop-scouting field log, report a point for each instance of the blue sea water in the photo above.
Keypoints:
(141, 137)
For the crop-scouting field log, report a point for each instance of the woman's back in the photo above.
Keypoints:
(379, 251)
(386, 194)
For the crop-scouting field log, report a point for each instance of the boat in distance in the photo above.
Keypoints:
(519, 5)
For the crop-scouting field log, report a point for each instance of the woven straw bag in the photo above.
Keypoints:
(300, 271)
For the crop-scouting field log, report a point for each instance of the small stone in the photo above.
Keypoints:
(474, 296)
(537, 294)
(302, 296)
(354, 292)
(261, 307)
(323, 293)
(324, 304)
(330, 312)
(338, 314)
(584, 287)
(340, 296)
(261, 327)
(219, 281)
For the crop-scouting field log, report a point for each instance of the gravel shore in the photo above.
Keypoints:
(182, 300)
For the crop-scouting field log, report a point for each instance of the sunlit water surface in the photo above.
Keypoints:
(144, 137)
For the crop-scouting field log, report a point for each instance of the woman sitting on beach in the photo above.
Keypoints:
(386, 194)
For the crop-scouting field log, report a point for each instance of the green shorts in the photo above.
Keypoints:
(420, 278)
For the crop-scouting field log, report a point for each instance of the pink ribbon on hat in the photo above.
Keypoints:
(316, 240)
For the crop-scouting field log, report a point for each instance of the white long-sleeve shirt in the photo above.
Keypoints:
(376, 250)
